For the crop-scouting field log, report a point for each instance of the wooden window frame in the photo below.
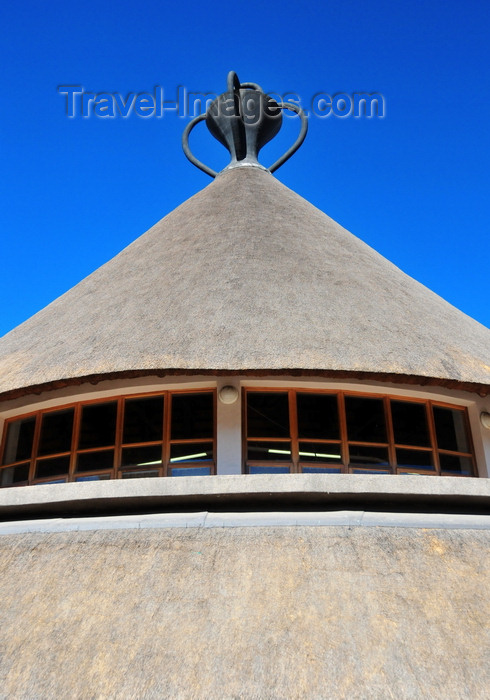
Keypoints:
(296, 465)
(116, 471)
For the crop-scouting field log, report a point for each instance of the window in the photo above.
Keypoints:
(325, 432)
(166, 434)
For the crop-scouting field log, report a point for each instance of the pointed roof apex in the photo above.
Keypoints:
(244, 119)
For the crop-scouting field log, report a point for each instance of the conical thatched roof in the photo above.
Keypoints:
(246, 276)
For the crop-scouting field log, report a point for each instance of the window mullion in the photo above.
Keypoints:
(119, 434)
(344, 448)
(167, 403)
(293, 430)
(214, 469)
(35, 447)
(77, 414)
(390, 434)
(433, 438)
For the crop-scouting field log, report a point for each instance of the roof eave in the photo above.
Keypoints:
(392, 378)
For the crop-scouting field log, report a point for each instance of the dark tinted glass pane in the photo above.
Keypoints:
(91, 461)
(98, 426)
(269, 451)
(192, 452)
(14, 475)
(319, 452)
(455, 464)
(52, 467)
(20, 434)
(141, 456)
(368, 455)
(365, 419)
(410, 423)
(190, 471)
(321, 470)
(143, 420)
(268, 470)
(414, 458)
(139, 474)
(267, 414)
(192, 416)
(450, 429)
(56, 432)
(318, 416)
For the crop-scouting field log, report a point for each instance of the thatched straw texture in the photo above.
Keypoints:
(249, 613)
(247, 276)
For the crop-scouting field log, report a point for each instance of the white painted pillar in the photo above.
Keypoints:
(481, 435)
(229, 434)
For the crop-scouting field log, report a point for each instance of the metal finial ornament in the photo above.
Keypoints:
(244, 119)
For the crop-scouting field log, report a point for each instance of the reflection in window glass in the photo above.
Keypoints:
(191, 452)
(98, 425)
(450, 429)
(268, 414)
(56, 432)
(94, 477)
(365, 419)
(190, 471)
(20, 435)
(319, 452)
(410, 423)
(192, 416)
(143, 420)
(268, 470)
(269, 451)
(141, 456)
(318, 416)
(370, 471)
(321, 470)
(139, 474)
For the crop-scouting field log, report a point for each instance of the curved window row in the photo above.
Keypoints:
(292, 430)
(165, 434)
(308, 431)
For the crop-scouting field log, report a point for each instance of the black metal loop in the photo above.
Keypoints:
(187, 150)
(232, 82)
(233, 85)
(302, 135)
(251, 86)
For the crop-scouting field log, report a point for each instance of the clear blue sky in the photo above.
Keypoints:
(414, 185)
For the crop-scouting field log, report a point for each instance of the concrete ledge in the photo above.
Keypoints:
(349, 519)
(246, 492)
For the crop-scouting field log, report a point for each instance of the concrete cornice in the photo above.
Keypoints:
(300, 492)
(274, 519)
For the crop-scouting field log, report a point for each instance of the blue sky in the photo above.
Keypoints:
(414, 185)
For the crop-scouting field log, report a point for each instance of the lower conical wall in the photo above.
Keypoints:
(245, 612)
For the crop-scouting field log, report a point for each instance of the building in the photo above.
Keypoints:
(327, 419)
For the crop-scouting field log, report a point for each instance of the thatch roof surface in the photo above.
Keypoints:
(247, 276)
(249, 613)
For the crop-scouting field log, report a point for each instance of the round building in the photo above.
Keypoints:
(248, 457)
